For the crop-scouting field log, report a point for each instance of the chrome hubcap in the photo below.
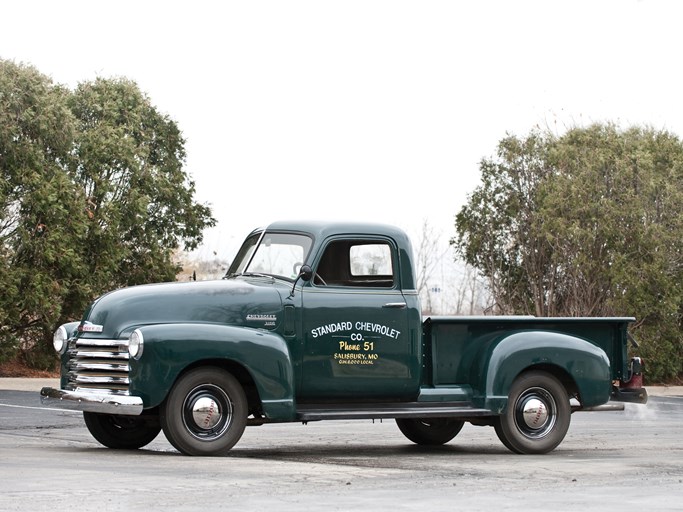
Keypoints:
(207, 412)
(535, 413)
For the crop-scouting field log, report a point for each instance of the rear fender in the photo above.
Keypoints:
(586, 364)
(171, 348)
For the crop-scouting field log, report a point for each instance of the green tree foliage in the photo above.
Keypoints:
(129, 164)
(585, 224)
(39, 219)
(93, 196)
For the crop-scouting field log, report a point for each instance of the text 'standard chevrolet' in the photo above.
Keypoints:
(321, 321)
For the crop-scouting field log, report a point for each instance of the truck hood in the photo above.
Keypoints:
(234, 302)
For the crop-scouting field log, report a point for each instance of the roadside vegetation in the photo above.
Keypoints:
(93, 196)
(585, 224)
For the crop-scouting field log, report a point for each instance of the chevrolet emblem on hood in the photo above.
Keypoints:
(90, 327)
(264, 318)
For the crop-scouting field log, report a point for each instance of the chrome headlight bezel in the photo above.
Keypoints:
(136, 343)
(60, 340)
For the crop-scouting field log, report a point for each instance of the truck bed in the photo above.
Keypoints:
(451, 343)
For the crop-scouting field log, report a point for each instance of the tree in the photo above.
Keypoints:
(585, 224)
(94, 196)
(496, 228)
(39, 218)
(129, 163)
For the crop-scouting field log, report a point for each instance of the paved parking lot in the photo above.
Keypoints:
(609, 461)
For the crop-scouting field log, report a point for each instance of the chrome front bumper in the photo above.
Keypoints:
(91, 402)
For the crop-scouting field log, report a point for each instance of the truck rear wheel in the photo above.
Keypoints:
(121, 432)
(537, 415)
(205, 412)
(429, 431)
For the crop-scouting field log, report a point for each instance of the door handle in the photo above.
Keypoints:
(397, 305)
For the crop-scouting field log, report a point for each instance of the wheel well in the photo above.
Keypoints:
(560, 374)
(240, 373)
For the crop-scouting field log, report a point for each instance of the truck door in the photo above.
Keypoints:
(357, 338)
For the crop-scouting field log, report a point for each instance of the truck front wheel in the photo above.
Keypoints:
(121, 432)
(537, 415)
(205, 412)
(429, 431)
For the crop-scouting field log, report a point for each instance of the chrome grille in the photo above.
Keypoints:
(98, 365)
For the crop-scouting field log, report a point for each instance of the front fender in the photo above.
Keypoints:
(585, 363)
(170, 348)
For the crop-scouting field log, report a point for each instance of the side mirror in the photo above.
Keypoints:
(306, 273)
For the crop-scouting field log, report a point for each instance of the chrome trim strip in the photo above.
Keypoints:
(395, 305)
(352, 290)
(102, 342)
(91, 389)
(100, 379)
(101, 355)
(91, 402)
(80, 342)
(99, 366)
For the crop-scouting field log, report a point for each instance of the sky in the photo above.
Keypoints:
(359, 110)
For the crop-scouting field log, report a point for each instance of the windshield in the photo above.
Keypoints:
(272, 254)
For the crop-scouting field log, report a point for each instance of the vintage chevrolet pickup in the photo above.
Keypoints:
(318, 321)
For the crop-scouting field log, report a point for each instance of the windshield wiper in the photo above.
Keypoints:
(257, 274)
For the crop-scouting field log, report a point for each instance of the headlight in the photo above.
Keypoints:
(59, 340)
(135, 344)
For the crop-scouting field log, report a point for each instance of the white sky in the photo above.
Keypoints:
(361, 110)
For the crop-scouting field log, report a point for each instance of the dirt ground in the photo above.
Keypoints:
(17, 368)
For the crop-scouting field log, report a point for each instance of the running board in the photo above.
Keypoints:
(315, 412)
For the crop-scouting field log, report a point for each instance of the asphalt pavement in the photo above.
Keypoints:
(609, 461)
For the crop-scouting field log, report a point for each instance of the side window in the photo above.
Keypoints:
(356, 263)
(370, 260)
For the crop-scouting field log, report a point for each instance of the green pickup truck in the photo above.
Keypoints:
(319, 321)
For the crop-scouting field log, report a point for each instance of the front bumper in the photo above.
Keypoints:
(91, 402)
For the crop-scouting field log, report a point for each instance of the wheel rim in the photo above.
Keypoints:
(535, 413)
(207, 412)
